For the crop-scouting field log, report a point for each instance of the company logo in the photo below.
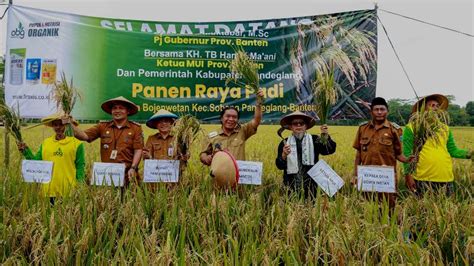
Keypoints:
(19, 32)
(44, 29)
(59, 152)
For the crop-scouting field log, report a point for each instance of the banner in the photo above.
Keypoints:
(184, 67)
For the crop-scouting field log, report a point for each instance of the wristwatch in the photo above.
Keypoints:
(134, 168)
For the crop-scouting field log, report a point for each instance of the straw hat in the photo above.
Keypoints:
(286, 120)
(224, 170)
(162, 113)
(107, 105)
(441, 99)
(48, 120)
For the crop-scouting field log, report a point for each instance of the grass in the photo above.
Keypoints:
(194, 224)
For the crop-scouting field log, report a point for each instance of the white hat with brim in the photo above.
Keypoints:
(224, 170)
(286, 120)
(441, 99)
(151, 122)
(107, 105)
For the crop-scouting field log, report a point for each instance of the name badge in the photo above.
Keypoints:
(170, 151)
(113, 154)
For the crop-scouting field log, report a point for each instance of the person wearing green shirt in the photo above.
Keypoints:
(67, 155)
(434, 168)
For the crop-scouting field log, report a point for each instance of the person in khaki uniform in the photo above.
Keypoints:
(160, 145)
(378, 143)
(121, 140)
(232, 135)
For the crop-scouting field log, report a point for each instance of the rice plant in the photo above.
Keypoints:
(244, 72)
(11, 120)
(191, 223)
(185, 131)
(337, 54)
(427, 124)
(65, 95)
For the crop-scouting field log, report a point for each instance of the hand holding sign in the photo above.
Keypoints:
(326, 178)
(161, 171)
(250, 173)
(372, 178)
(36, 171)
(108, 174)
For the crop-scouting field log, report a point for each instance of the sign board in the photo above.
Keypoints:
(326, 178)
(374, 178)
(108, 174)
(250, 173)
(156, 171)
(34, 171)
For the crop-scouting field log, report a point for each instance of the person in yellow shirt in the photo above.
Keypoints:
(434, 169)
(67, 155)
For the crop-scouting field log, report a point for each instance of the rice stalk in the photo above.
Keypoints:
(426, 124)
(65, 95)
(185, 131)
(244, 72)
(325, 91)
(12, 120)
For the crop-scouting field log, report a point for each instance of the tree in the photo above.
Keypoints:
(399, 110)
(470, 111)
(458, 115)
(470, 108)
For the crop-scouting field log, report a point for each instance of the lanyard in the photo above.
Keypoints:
(115, 138)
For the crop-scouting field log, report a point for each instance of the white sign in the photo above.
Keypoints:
(376, 178)
(250, 173)
(326, 178)
(161, 171)
(108, 174)
(37, 171)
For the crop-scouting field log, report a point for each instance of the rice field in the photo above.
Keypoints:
(192, 223)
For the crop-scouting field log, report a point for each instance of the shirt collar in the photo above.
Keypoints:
(385, 123)
(158, 135)
(112, 124)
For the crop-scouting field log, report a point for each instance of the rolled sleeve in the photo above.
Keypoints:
(356, 144)
(93, 133)
(249, 130)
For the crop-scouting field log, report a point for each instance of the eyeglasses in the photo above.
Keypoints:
(298, 123)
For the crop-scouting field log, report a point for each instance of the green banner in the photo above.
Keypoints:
(183, 67)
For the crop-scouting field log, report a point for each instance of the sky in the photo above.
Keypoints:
(437, 61)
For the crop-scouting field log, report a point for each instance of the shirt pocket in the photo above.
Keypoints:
(386, 141)
(386, 145)
(105, 142)
(236, 143)
(157, 146)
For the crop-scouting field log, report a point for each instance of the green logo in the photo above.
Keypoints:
(59, 152)
(18, 32)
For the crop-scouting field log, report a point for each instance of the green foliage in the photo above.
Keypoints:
(400, 111)
(470, 112)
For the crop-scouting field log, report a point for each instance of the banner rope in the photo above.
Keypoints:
(398, 57)
(428, 23)
(4, 12)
